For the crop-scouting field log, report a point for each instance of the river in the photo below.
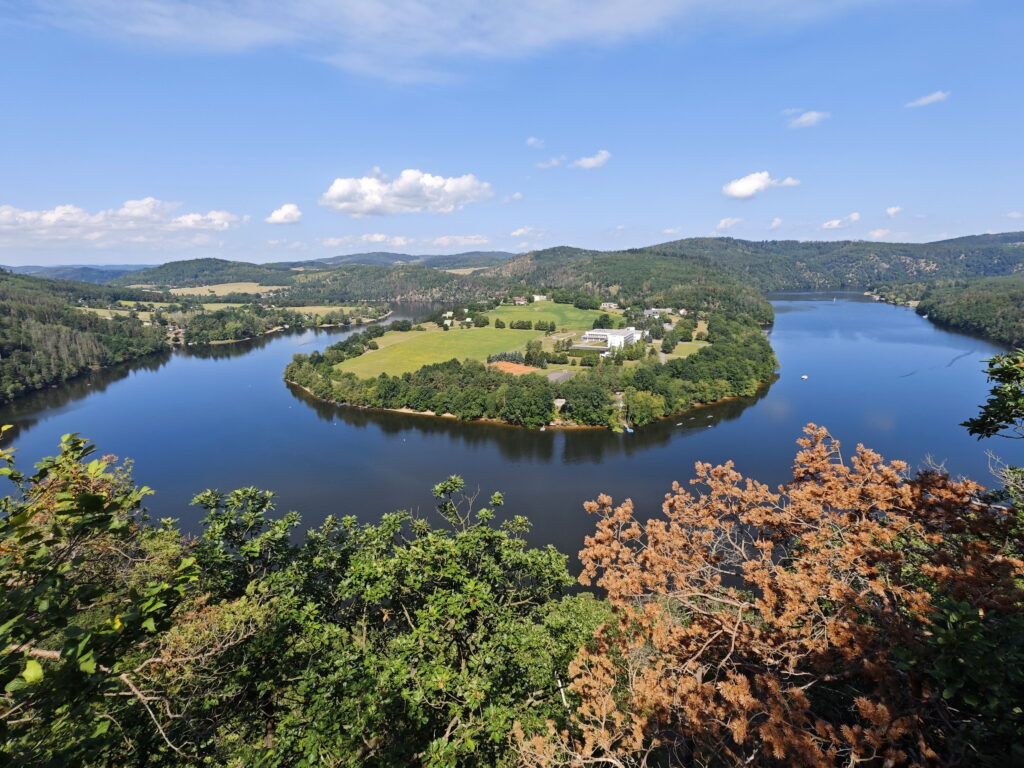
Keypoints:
(222, 417)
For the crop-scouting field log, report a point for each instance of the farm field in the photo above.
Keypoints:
(210, 305)
(562, 315)
(223, 289)
(108, 313)
(404, 352)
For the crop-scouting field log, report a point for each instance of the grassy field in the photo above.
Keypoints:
(562, 315)
(402, 352)
(223, 289)
(210, 305)
(108, 313)
(684, 349)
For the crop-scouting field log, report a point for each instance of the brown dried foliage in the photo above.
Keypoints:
(757, 626)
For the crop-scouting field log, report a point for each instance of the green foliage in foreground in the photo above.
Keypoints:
(396, 644)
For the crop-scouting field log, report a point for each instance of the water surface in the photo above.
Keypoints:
(222, 417)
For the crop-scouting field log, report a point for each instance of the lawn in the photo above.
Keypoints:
(223, 289)
(402, 352)
(109, 313)
(562, 315)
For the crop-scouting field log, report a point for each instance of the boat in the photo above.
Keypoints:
(629, 430)
(804, 376)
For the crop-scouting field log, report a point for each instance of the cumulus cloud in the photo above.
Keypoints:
(671, 230)
(214, 220)
(809, 119)
(534, 142)
(403, 39)
(523, 232)
(446, 241)
(147, 221)
(841, 223)
(552, 162)
(878, 234)
(931, 98)
(752, 183)
(412, 192)
(892, 210)
(776, 223)
(288, 213)
(728, 222)
(596, 160)
(514, 197)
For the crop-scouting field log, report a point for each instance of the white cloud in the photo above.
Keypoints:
(514, 197)
(1016, 215)
(446, 241)
(892, 210)
(776, 223)
(596, 160)
(534, 142)
(552, 163)
(752, 183)
(524, 232)
(406, 39)
(728, 222)
(215, 220)
(931, 98)
(147, 221)
(412, 192)
(671, 230)
(288, 213)
(808, 119)
(841, 223)
(373, 238)
(878, 234)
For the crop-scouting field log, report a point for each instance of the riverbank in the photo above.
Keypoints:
(555, 424)
(280, 328)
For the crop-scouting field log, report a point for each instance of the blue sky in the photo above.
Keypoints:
(159, 130)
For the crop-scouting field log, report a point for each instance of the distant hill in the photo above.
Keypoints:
(77, 272)
(388, 259)
(183, 274)
(802, 265)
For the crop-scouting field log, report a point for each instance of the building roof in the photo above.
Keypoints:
(613, 331)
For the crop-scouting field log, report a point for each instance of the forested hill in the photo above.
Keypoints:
(791, 264)
(645, 275)
(182, 274)
(386, 259)
(359, 282)
(45, 339)
(992, 307)
(80, 274)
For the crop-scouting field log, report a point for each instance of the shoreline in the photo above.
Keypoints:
(566, 427)
(278, 329)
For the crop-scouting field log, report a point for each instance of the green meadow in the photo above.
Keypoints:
(404, 352)
(562, 315)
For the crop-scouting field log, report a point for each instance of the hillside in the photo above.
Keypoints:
(78, 273)
(359, 282)
(386, 259)
(795, 265)
(45, 339)
(194, 272)
(992, 307)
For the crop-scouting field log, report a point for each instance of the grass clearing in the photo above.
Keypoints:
(685, 349)
(562, 315)
(406, 351)
(464, 270)
(223, 289)
(109, 313)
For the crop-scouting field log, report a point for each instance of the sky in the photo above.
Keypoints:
(156, 130)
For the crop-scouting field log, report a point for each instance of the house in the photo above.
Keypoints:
(539, 297)
(612, 338)
(519, 301)
(448, 314)
(609, 305)
(657, 312)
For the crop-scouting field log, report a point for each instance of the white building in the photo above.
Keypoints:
(539, 297)
(609, 305)
(657, 312)
(613, 338)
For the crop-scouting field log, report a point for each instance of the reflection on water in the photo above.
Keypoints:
(516, 444)
(221, 417)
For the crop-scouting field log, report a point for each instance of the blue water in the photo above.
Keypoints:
(224, 418)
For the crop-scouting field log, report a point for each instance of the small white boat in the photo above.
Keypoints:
(804, 376)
